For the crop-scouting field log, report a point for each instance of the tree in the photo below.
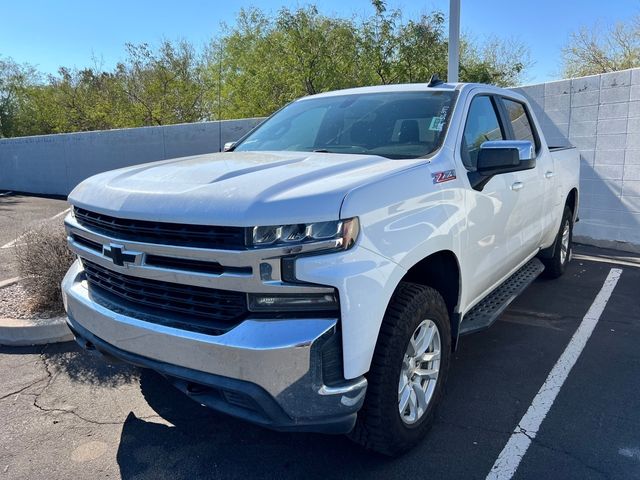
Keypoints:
(256, 66)
(150, 87)
(422, 48)
(317, 49)
(269, 61)
(595, 50)
(378, 43)
(496, 61)
(14, 80)
(81, 100)
(253, 80)
(164, 86)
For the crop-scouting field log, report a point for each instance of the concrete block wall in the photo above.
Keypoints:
(600, 115)
(55, 164)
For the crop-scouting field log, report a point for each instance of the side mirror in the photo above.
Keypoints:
(228, 146)
(504, 156)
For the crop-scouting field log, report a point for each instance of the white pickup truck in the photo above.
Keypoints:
(318, 275)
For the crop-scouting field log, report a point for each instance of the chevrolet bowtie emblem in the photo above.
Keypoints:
(118, 255)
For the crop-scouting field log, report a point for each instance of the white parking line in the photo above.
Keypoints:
(13, 242)
(507, 463)
(58, 215)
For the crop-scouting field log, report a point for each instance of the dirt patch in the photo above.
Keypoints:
(16, 303)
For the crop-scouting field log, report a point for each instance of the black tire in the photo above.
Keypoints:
(379, 426)
(555, 265)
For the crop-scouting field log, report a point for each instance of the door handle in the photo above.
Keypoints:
(549, 174)
(517, 186)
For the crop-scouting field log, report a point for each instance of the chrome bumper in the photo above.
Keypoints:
(281, 357)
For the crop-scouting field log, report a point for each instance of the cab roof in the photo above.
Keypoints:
(401, 87)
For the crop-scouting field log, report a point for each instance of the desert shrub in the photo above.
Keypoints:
(43, 258)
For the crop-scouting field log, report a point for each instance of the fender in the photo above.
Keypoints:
(404, 218)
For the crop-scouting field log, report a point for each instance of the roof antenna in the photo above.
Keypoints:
(434, 81)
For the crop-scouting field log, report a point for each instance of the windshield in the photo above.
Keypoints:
(392, 125)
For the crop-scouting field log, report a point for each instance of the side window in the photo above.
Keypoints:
(519, 121)
(482, 125)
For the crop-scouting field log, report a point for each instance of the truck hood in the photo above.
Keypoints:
(234, 188)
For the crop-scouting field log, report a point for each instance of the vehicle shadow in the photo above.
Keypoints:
(485, 398)
(84, 367)
(78, 365)
(200, 443)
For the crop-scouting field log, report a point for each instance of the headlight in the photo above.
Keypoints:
(345, 232)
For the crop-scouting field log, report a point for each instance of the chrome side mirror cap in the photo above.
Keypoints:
(525, 148)
(505, 156)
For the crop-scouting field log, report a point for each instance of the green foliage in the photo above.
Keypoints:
(15, 79)
(255, 67)
(163, 87)
(498, 62)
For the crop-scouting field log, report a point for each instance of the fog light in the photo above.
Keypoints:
(259, 302)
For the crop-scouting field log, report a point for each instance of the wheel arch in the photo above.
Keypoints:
(572, 202)
(440, 271)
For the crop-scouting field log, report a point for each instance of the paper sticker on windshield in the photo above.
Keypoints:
(441, 177)
(436, 124)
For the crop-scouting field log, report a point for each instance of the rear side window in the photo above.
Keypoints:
(482, 125)
(519, 121)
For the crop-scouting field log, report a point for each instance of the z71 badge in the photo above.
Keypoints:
(441, 177)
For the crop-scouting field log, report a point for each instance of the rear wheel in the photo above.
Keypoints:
(556, 265)
(408, 372)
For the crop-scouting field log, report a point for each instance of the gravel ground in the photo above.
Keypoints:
(15, 303)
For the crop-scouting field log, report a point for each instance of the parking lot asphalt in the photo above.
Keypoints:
(67, 414)
(18, 214)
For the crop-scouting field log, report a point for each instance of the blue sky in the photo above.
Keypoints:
(69, 32)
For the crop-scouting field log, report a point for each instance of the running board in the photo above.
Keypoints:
(489, 309)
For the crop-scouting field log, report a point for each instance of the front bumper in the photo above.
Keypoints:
(266, 371)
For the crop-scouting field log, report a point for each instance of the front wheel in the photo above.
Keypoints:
(408, 372)
(562, 248)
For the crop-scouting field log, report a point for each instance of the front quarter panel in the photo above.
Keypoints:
(408, 216)
(404, 218)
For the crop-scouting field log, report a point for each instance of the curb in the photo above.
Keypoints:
(9, 281)
(16, 332)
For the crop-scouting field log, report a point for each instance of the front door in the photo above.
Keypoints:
(502, 215)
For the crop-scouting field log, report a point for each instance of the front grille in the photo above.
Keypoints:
(189, 307)
(85, 242)
(189, 265)
(199, 236)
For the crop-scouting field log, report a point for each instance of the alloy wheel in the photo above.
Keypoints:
(419, 372)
